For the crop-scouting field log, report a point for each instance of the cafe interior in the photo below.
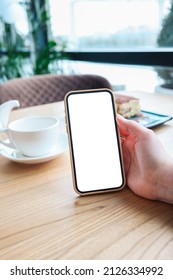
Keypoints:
(47, 49)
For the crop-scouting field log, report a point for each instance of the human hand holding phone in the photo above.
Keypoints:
(148, 168)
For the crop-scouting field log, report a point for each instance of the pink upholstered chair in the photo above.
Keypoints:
(42, 89)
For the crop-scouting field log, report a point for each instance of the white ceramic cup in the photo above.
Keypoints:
(33, 136)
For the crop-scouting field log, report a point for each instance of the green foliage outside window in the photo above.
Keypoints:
(45, 54)
(165, 39)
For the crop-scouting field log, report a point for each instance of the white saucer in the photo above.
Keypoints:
(16, 156)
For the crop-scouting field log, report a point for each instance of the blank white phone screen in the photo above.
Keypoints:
(94, 141)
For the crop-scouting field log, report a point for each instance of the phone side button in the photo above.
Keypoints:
(66, 129)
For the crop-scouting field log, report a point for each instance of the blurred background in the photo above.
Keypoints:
(130, 42)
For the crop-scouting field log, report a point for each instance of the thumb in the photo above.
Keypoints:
(130, 127)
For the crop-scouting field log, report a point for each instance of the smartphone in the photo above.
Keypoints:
(94, 143)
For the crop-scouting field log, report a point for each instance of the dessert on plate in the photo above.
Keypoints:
(127, 106)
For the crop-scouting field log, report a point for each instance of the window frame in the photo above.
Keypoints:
(153, 57)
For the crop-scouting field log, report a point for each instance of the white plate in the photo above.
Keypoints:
(16, 156)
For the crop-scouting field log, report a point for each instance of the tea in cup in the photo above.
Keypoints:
(33, 136)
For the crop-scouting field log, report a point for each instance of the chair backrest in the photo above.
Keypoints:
(42, 89)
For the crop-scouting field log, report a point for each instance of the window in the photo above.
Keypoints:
(117, 32)
(108, 31)
(108, 24)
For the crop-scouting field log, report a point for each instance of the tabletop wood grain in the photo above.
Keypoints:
(41, 217)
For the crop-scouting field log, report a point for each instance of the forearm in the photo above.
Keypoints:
(165, 184)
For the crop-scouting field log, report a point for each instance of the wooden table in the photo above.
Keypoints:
(41, 217)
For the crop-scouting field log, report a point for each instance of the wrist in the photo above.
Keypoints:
(164, 188)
